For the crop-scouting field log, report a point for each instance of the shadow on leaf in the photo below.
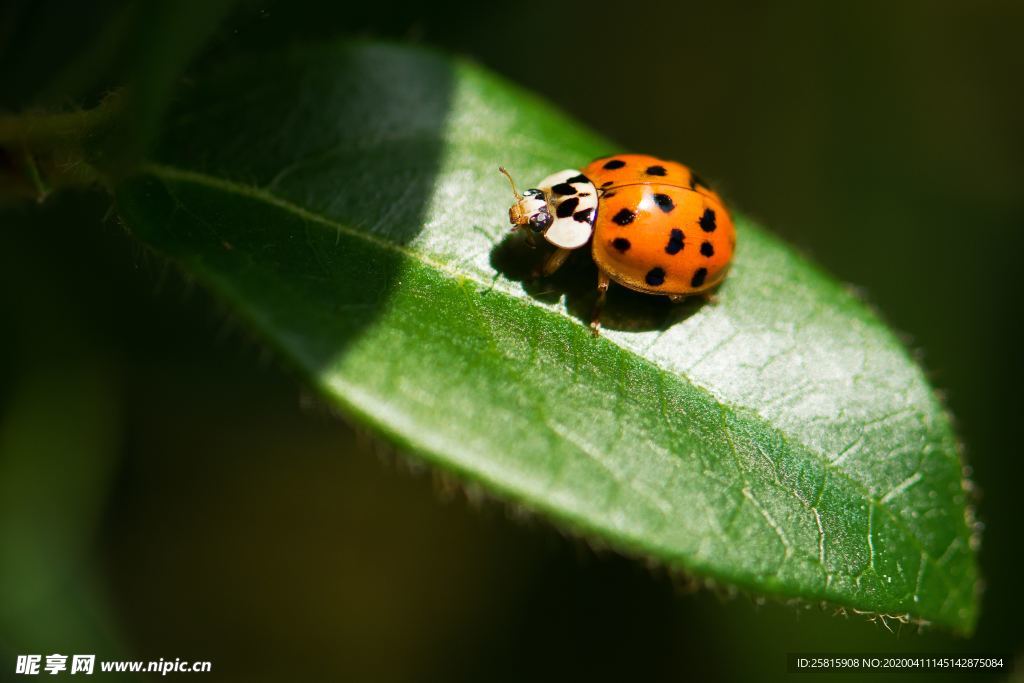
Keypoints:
(576, 281)
(283, 173)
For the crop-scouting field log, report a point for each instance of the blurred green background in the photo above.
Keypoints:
(166, 490)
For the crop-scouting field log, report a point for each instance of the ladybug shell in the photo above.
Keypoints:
(659, 229)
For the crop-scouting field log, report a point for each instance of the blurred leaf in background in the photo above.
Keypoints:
(60, 57)
(60, 436)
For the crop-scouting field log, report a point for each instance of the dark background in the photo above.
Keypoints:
(188, 501)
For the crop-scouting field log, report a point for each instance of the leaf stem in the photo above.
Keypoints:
(28, 164)
(39, 129)
(53, 150)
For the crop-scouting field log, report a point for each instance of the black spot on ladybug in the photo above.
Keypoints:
(699, 277)
(566, 208)
(583, 216)
(621, 243)
(607, 183)
(578, 179)
(614, 164)
(664, 202)
(656, 170)
(606, 195)
(707, 221)
(563, 189)
(624, 217)
(655, 276)
(583, 194)
(707, 250)
(696, 180)
(675, 242)
(534, 193)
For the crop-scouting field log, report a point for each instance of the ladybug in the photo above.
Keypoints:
(654, 226)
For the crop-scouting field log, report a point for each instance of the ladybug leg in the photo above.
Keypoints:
(531, 240)
(553, 262)
(602, 293)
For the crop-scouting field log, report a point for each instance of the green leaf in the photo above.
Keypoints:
(60, 433)
(345, 200)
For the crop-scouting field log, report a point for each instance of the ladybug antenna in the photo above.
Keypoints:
(511, 182)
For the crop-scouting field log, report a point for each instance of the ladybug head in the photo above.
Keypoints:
(530, 209)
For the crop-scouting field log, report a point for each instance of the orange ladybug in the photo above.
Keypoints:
(654, 225)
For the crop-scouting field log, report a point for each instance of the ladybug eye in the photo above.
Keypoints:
(540, 221)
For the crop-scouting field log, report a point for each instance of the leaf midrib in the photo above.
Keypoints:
(172, 173)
